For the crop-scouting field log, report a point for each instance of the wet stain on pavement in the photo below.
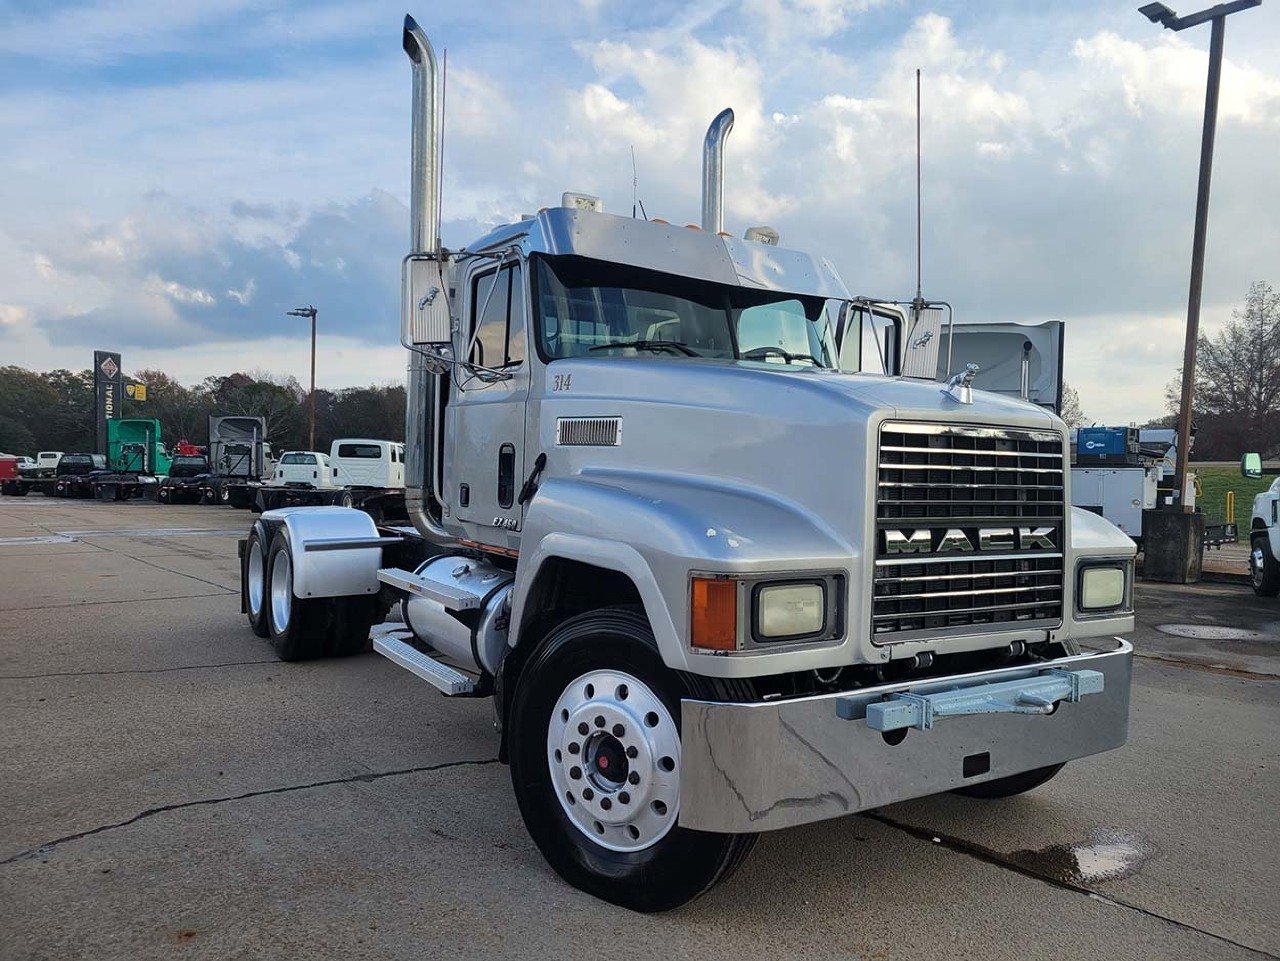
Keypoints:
(1108, 855)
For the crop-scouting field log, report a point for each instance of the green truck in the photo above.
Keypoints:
(136, 458)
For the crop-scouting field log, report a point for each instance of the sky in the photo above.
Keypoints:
(175, 176)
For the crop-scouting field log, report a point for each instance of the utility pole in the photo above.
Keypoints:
(1217, 16)
(310, 311)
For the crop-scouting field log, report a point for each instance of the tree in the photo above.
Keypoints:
(1071, 411)
(1237, 390)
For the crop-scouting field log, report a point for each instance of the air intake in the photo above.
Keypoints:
(589, 432)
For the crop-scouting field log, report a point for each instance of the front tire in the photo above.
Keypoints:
(612, 829)
(299, 627)
(1014, 784)
(1264, 569)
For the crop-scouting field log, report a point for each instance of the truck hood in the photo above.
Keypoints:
(804, 392)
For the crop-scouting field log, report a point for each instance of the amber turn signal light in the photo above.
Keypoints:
(715, 614)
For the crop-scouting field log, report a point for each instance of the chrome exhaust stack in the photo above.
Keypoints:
(422, 397)
(424, 175)
(713, 171)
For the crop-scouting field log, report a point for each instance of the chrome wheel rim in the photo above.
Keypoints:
(1256, 561)
(255, 587)
(281, 591)
(614, 755)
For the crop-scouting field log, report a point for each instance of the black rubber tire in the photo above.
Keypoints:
(208, 496)
(260, 535)
(1012, 785)
(305, 634)
(1266, 581)
(164, 495)
(353, 618)
(346, 500)
(684, 863)
(224, 495)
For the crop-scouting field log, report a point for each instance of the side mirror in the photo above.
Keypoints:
(424, 303)
(1251, 465)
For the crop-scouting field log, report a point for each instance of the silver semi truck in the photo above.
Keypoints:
(714, 578)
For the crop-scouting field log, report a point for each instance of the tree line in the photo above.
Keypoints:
(54, 410)
(1237, 399)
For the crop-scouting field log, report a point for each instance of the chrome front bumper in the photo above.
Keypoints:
(758, 767)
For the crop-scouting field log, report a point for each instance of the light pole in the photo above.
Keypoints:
(310, 311)
(1217, 16)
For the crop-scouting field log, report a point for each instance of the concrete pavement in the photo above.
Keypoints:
(169, 789)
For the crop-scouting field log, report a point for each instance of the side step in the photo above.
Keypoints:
(442, 677)
(451, 597)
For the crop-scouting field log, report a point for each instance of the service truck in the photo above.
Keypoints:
(357, 472)
(44, 465)
(716, 570)
(1264, 531)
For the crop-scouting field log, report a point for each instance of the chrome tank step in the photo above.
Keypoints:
(455, 583)
(442, 677)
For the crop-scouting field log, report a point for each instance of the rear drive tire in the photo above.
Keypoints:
(208, 496)
(224, 495)
(1012, 785)
(253, 574)
(607, 824)
(353, 618)
(299, 627)
(1264, 569)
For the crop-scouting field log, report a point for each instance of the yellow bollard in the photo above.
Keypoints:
(1231, 507)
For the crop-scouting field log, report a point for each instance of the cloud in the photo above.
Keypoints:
(174, 276)
(187, 210)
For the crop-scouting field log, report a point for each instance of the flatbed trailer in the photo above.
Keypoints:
(22, 486)
(380, 503)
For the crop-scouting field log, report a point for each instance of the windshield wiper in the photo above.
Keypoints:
(654, 345)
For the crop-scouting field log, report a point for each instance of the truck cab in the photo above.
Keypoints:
(1264, 531)
(44, 465)
(361, 462)
(304, 468)
(723, 564)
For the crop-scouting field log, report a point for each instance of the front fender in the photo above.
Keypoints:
(657, 528)
(1095, 538)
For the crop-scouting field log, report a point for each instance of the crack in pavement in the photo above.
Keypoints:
(997, 859)
(222, 592)
(204, 802)
(135, 670)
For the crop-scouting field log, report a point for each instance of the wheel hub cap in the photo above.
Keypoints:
(281, 591)
(614, 756)
(255, 586)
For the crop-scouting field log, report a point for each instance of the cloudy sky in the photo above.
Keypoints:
(173, 176)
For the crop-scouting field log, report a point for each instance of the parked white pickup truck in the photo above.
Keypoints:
(1264, 532)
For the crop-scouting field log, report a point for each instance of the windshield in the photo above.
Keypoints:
(593, 308)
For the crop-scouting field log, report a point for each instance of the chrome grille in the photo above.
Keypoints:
(970, 524)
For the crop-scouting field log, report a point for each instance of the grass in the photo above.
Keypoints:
(1217, 479)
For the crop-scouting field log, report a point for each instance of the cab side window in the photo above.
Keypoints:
(497, 311)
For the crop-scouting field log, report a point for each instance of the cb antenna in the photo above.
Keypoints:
(919, 271)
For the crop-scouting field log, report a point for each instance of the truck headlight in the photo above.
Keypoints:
(791, 610)
(1103, 587)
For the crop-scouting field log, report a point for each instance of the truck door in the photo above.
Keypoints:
(486, 414)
